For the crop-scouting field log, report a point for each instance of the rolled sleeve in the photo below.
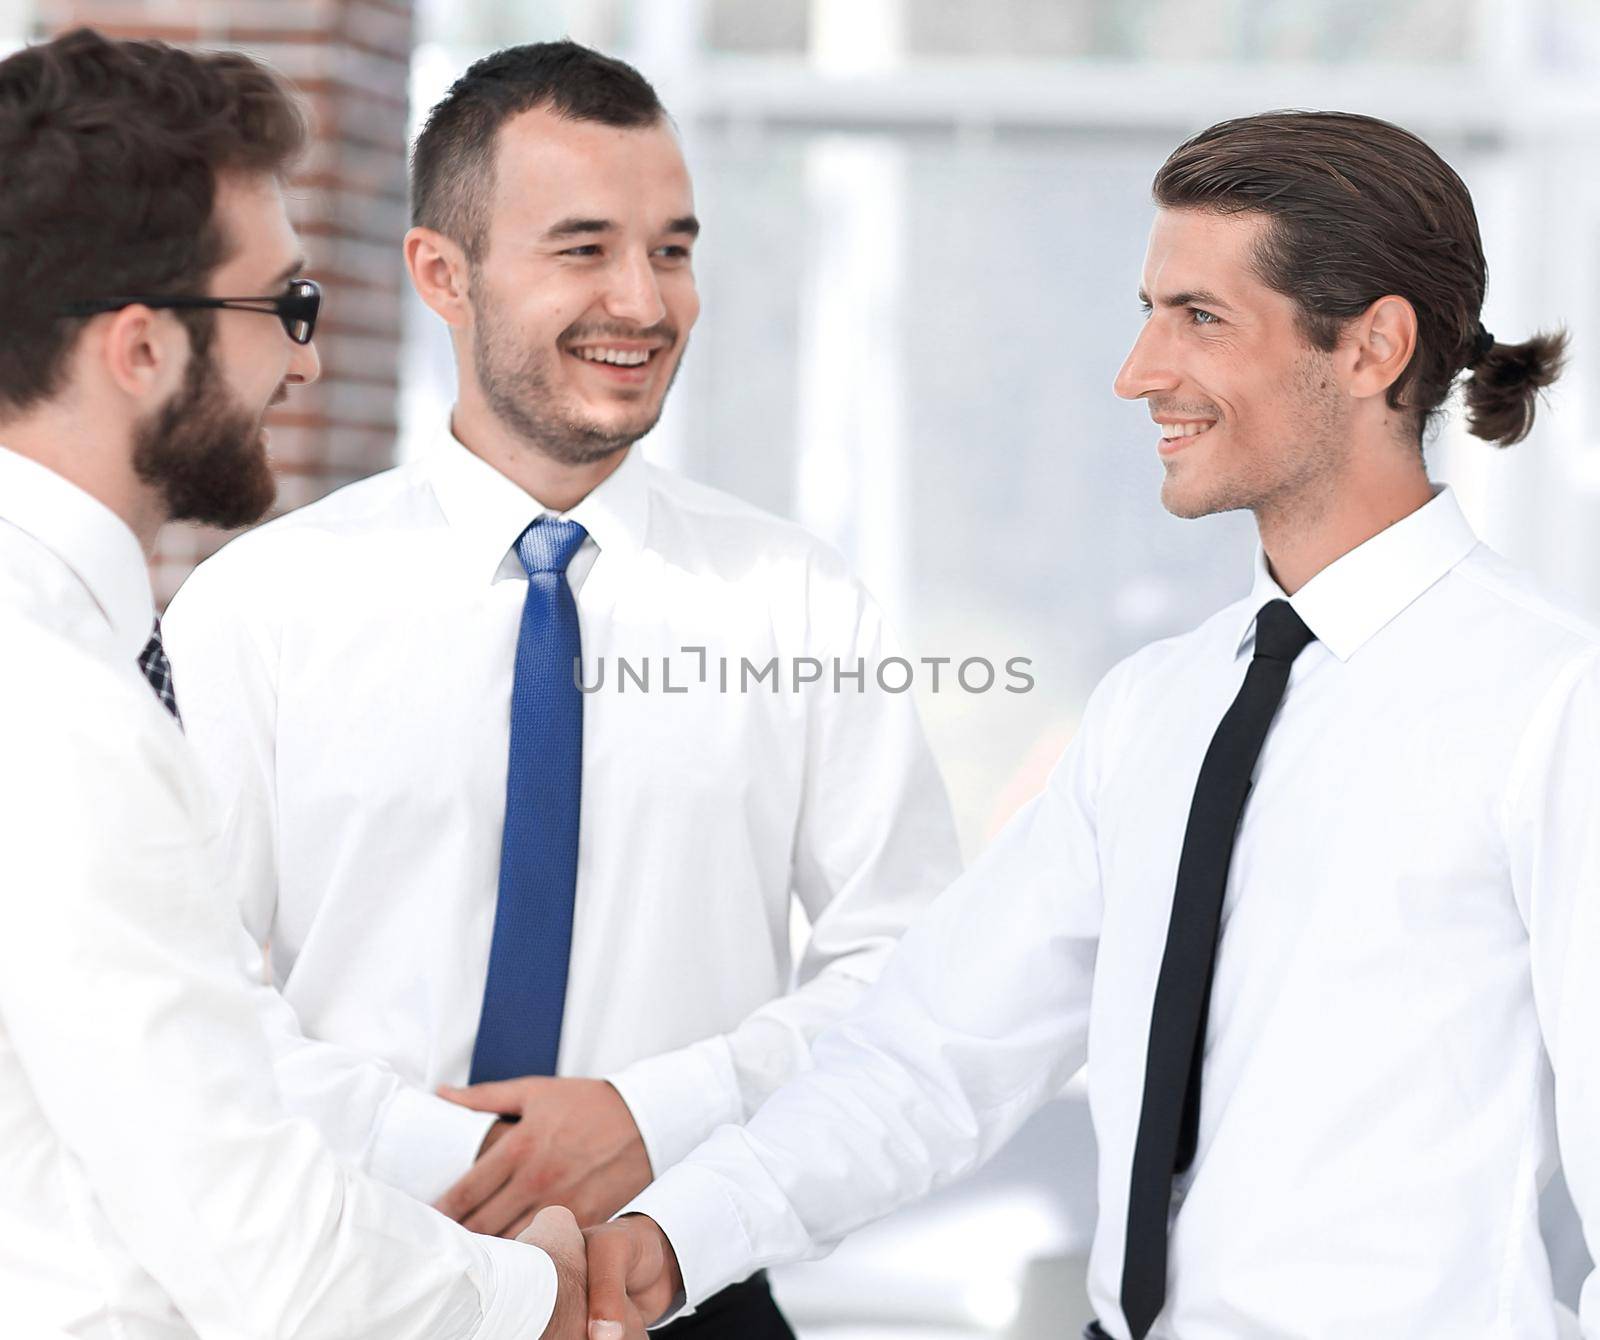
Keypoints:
(519, 1289)
(425, 1143)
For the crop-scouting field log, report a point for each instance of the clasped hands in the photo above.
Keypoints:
(564, 1157)
(612, 1279)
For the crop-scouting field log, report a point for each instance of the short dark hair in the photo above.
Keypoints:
(452, 164)
(109, 157)
(1359, 209)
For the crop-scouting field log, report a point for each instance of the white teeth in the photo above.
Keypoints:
(622, 358)
(1171, 430)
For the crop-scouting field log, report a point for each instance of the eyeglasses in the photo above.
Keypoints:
(297, 307)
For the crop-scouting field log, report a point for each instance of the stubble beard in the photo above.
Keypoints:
(518, 384)
(1288, 482)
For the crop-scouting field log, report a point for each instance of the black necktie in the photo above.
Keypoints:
(1170, 1113)
(158, 670)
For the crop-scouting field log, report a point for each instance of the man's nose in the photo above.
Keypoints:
(305, 365)
(634, 293)
(1148, 367)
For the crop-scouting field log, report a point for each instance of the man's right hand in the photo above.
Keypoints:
(556, 1233)
(633, 1276)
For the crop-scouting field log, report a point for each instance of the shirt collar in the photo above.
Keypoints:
(86, 535)
(489, 511)
(1360, 592)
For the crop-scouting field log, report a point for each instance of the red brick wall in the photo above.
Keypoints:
(351, 58)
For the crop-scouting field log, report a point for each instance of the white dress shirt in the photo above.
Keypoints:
(151, 1184)
(1409, 940)
(346, 674)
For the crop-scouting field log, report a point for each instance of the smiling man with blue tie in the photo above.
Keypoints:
(471, 867)
(1316, 889)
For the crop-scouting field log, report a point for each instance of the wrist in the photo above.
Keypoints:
(670, 1270)
(673, 1272)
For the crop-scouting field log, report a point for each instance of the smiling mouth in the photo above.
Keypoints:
(1175, 436)
(615, 356)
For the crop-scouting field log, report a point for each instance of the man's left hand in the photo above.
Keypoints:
(572, 1142)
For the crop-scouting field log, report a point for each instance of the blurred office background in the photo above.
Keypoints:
(924, 221)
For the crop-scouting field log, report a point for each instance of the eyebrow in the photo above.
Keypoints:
(578, 227)
(1194, 297)
(288, 272)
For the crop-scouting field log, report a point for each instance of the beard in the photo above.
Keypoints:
(203, 450)
(1289, 477)
(518, 384)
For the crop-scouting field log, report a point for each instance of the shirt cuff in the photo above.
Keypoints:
(425, 1143)
(519, 1290)
(690, 1205)
(678, 1098)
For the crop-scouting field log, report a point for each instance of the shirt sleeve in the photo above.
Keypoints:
(121, 996)
(219, 635)
(980, 1015)
(874, 843)
(1553, 836)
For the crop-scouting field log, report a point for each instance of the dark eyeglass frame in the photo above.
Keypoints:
(296, 307)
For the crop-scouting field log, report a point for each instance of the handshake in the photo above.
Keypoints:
(571, 1145)
(612, 1280)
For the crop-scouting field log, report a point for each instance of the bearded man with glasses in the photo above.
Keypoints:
(206, 447)
(152, 1186)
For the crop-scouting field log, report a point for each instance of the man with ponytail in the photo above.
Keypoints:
(1317, 885)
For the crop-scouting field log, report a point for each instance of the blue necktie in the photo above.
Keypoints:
(519, 1031)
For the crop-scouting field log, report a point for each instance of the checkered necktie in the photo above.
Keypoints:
(158, 670)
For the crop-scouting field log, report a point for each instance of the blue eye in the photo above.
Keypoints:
(1203, 317)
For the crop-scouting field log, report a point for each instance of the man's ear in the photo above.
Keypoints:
(440, 274)
(143, 353)
(1379, 345)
